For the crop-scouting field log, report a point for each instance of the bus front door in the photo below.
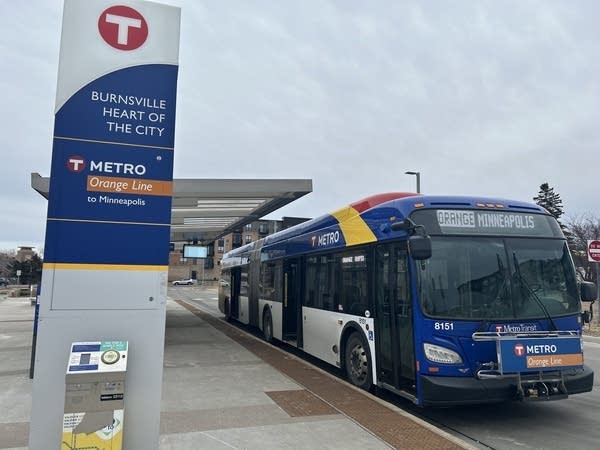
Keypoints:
(291, 300)
(394, 336)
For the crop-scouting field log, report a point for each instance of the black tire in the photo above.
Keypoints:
(267, 326)
(357, 362)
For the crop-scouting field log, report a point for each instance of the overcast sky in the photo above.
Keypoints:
(482, 97)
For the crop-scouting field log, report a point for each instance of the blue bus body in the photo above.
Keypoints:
(493, 315)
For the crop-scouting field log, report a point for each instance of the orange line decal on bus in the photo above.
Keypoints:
(534, 362)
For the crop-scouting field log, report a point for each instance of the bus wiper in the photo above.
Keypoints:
(504, 284)
(532, 293)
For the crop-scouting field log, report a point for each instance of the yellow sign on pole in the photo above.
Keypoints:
(108, 438)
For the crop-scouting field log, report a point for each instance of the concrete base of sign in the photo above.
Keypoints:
(144, 330)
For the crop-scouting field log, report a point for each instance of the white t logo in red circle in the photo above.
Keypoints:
(519, 350)
(123, 27)
(76, 164)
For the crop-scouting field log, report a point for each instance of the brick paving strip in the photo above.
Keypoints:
(394, 428)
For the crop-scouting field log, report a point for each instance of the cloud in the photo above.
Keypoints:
(485, 98)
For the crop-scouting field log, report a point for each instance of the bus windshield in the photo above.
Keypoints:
(493, 278)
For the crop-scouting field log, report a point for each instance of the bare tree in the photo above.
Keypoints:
(582, 229)
(6, 257)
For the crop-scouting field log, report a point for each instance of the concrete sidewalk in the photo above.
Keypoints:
(216, 393)
(215, 396)
(16, 320)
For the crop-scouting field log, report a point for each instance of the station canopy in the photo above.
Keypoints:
(206, 209)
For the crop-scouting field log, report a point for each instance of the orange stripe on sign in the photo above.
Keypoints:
(137, 186)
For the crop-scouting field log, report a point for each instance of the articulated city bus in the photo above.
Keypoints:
(442, 300)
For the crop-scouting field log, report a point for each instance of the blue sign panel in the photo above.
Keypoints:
(111, 182)
(135, 105)
(112, 170)
(107, 243)
(539, 354)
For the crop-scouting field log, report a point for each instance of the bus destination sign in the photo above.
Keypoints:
(491, 222)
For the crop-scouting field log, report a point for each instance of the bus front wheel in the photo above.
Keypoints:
(268, 326)
(357, 362)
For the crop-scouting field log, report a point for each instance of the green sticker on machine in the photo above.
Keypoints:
(113, 345)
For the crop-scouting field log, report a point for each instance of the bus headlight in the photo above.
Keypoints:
(437, 354)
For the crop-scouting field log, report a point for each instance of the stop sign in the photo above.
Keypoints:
(593, 251)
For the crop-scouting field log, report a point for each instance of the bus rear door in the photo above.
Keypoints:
(292, 326)
(234, 304)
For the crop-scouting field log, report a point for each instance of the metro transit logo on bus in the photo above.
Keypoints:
(325, 239)
(123, 27)
(519, 349)
(516, 327)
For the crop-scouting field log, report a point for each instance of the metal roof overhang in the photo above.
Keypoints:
(206, 209)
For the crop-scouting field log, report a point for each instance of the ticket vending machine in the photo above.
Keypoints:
(94, 396)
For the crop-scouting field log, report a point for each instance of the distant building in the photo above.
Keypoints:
(210, 268)
(24, 254)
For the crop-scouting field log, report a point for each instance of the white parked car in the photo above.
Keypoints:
(187, 282)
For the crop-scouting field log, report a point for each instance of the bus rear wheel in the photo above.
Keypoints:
(268, 326)
(357, 362)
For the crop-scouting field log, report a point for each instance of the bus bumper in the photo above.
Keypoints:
(451, 391)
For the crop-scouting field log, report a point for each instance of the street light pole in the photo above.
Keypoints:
(418, 175)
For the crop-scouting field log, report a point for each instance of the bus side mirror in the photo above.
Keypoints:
(419, 247)
(588, 291)
(403, 225)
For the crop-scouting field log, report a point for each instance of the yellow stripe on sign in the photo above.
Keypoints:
(68, 266)
(353, 227)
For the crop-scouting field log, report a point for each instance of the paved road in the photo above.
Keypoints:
(568, 424)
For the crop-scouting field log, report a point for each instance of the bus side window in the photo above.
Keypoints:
(352, 274)
(326, 304)
(309, 299)
(355, 300)
(311, 282)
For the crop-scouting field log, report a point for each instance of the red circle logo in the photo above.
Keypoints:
(519, 350)
(76, 163)
(123, 27)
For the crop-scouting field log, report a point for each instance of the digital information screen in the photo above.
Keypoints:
(195, 251)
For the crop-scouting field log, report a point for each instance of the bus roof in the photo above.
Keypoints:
(368, 220)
